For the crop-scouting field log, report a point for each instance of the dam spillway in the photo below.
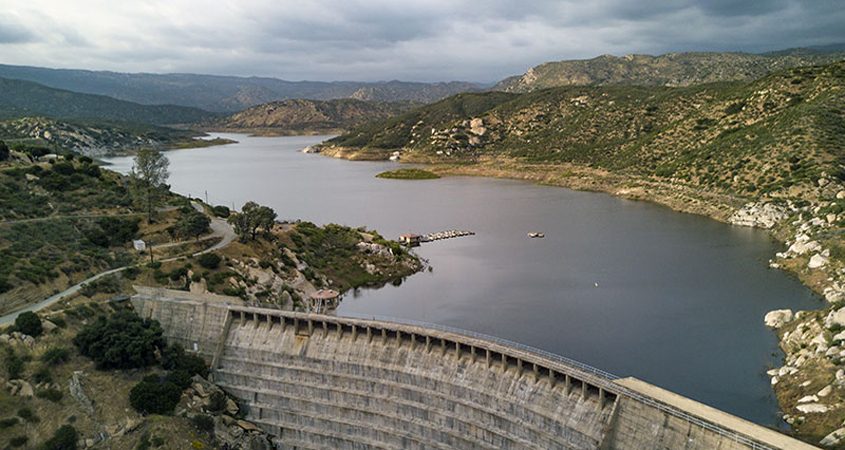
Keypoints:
(315, 381)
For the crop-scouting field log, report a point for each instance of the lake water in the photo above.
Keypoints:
(629, 287)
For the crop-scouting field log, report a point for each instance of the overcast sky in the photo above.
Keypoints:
(425, 40)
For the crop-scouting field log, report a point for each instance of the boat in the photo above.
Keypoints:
(535, 235)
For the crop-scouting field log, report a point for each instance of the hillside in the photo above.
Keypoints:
(226, 93)
(308, 116)
(23, 98)
(774, 136)
(671, 69)
(95, 138)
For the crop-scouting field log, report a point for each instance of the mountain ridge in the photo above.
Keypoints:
(223, 93)
(668, 69)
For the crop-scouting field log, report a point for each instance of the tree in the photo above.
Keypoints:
(29, 323)
(4, 151)
(154, 396)
(122, 341)
(252, 218)
(192, 224)
(64, 438)
(148, 176)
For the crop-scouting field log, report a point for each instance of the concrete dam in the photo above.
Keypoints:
(316, 381)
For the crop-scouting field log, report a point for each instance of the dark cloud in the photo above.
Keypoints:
(390, 39)
(13, 32)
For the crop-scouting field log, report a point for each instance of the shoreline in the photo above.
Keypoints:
(805, 373)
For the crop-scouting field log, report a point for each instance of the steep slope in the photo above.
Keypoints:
(94, 139)
(225, 93)
(773, 136)
(23, 98)
(671, 69)
(304, 116)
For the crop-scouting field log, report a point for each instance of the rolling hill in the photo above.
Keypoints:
(775, 136)
(225, 93)
(671, 69)
(24, 98)
(308, 116)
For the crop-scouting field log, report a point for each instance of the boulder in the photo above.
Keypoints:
(26, 389)
(825, 391)
(248, 426)
(817, 261)
(812, 408)
(833, 438)
(808, 399)
(835, 319)
(778, 318)
(803, 247)
(48, 326)
(231, 407)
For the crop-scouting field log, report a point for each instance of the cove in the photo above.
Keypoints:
(629, 287)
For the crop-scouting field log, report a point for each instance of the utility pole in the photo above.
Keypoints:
(206, 197)
(151, 252)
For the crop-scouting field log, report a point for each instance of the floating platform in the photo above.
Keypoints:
(414, 240)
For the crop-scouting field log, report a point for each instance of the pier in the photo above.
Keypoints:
(413, 240)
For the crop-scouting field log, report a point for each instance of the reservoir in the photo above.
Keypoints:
(629, 287)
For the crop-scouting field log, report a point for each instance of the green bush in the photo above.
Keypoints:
(217, 402)
(221, 211)
(42, 375)
(28, 415)
(122, 341)
(8, 422)
(29, 323)
(54, 395)
(55, 356)
(64, 438)
(14, 364)
(209, 260)
(174, 358)
(18, 441)
(203, 422)
(153, 396)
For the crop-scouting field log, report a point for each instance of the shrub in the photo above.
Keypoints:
(42, 375)
(209, 260)
(203, 422)
(29, 323)
(4, 153)
(122, 341)
(54, 395)
(14, 364)
(28, 415)
(63, 168)
(18, 441)
(217, 402)
(55, 356)
(221, 211)
(174, 358)
(8, 422)
(63, 439)
(154, 396)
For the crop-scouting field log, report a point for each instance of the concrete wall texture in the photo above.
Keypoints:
(327, 382)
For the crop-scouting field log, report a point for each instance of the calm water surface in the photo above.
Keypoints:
(680, 298)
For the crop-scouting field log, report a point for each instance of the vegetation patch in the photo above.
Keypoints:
(408, 174)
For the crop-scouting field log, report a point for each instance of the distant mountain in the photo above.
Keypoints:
(24, 98)
(225, 93)
(302, 116)
(671, 69)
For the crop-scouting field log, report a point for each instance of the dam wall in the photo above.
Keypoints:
(316, 381)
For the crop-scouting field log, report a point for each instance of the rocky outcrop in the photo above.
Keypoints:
(77, 391)
(778, 318)
(759, 215)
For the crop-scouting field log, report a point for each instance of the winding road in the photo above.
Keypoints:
(219, 229)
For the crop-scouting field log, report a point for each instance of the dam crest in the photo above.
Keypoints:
(317, 381)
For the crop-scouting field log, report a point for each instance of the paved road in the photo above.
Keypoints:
(219, 229)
